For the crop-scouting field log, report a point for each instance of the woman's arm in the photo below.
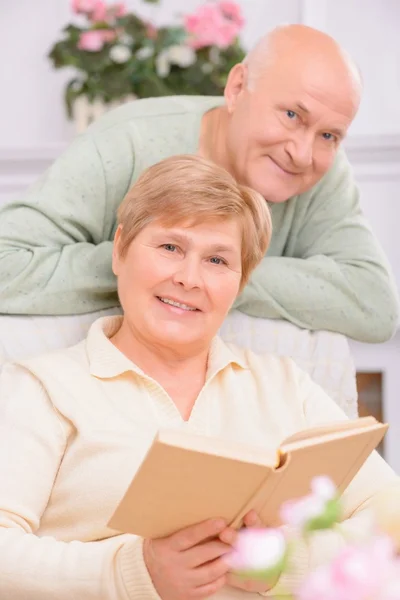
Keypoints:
(32, 443)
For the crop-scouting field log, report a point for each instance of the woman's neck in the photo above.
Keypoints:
(180, 371)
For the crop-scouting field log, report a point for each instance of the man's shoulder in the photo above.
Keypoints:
(340, 169)
(154, 109)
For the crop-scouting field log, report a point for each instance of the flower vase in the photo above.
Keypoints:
(85, 111)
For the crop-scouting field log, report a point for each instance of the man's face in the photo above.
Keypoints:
(284, 133)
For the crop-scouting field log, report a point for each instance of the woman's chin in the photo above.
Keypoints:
(176, 334)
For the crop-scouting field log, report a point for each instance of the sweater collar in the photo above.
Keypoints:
(106, 361)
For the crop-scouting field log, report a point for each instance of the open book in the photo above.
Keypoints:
(187, 478)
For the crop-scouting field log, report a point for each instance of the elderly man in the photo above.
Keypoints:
(278, 129)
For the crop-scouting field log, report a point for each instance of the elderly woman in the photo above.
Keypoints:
(75, 424)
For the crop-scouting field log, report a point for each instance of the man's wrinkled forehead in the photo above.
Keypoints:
(308, 85)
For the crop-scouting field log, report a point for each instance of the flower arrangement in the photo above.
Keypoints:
(364, 569)
(117, 54)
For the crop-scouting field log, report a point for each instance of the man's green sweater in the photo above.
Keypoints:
(323, 270)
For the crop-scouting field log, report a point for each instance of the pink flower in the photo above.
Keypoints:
(318, 586)
(85, 7)
(210, 25)
(93, 41)
(108, 13)
(151, 31)
(357, 573)
(232, 11)
(258, 553)
(120, 9)
(99, 13)
(319, 510)
(109, 35)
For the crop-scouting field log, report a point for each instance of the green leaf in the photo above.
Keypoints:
(328, 519)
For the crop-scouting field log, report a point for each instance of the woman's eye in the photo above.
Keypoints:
(216, 260)
(291, 114)
(169, 247)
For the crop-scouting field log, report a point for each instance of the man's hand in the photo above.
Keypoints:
(228, 536)
(190, 563)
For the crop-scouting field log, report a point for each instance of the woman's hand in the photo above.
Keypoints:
(188, 564)
(228, 536)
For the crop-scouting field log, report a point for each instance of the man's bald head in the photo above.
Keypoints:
(297, 46)
(288, 107)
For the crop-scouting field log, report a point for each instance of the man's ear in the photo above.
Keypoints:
(236, 84)
(116, 259)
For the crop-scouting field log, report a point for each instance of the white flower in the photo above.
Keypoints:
(120, 54)
(207, 68)
(258, 549)
(323, 487)
(144, 53)
(214, 55)
(298, 512)
(181, 55)
(126, 39)
(163, 66)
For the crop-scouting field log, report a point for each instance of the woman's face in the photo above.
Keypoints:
(176, 284)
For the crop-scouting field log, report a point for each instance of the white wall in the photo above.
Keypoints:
(31, 108)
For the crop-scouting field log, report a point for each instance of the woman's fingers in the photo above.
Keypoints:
(206, 552)
(251, 519)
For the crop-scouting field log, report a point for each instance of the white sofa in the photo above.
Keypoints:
(325, 356)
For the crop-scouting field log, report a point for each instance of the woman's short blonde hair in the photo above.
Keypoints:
(190, 189)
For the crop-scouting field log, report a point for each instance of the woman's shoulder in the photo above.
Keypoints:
(264, 364)
(49, 363)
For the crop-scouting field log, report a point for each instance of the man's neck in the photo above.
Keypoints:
(212, 142)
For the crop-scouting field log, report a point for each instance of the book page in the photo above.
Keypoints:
(220, 447)
(325, 430)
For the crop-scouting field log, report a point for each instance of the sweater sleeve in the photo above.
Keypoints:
(55, 241)
(32, 443)
(336, 277)
(367, 495)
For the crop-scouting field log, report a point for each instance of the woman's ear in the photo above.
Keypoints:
(235, 85)
(116, 257)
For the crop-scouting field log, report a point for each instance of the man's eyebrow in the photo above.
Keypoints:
(339, 132)
(301, 107)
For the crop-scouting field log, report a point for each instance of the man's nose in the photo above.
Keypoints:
(189, 274)
(301, 148)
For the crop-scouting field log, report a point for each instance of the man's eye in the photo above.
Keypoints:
(169, 247)
(328, 136)
(291, 114)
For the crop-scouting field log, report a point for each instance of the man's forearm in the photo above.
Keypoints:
(318, 293)
(74, 279)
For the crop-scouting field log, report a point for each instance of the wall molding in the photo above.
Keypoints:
(373, 157)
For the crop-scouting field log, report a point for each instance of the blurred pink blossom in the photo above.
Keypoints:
(216, 24)
(258, 552)
(93, 41)
(151, 31)
(363, 572)
(85, 7)
(105, 13)
(302, 512)
(232, 11)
